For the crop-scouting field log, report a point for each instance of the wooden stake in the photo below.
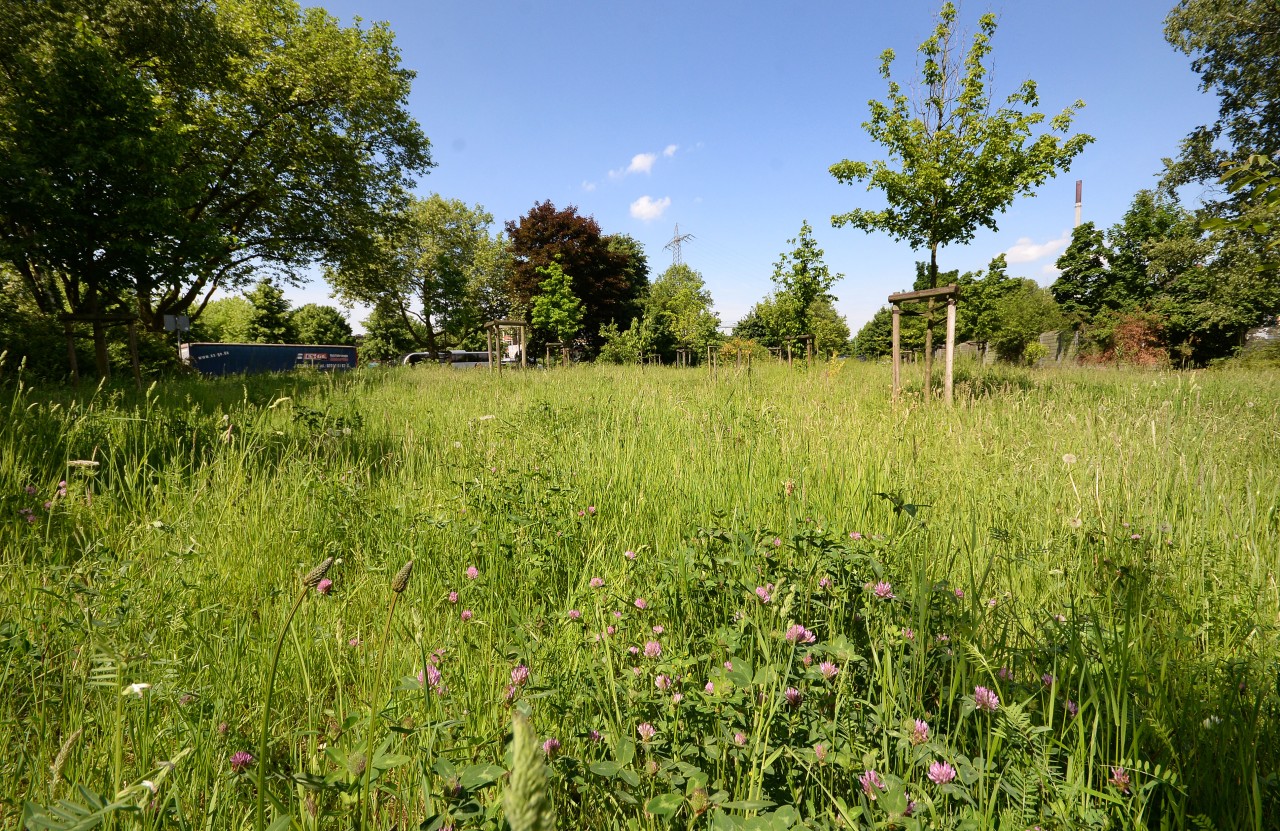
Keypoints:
(69, 328)
(897, 352)
(951, 346)
(133, 353)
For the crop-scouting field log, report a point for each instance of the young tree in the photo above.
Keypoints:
(313, 323)
(803, 278)
(557, 311)
(269, 318)
(960, 161)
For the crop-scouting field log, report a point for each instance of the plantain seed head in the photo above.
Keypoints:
(401, 581)
(315, 575)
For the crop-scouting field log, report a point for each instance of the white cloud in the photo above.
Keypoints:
(642, 163)
(588, 186)
(670, 150)
(647, 209)
(1027, 251)
(1051, 271)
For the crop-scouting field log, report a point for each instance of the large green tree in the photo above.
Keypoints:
(225, 320)
(1021, 316)
(436, 265)
(955, 161)
(977, 312)
(270, 320)
(1083, 286)
(152, 153)
(315, 323)
(1233, 46)
(678, 313)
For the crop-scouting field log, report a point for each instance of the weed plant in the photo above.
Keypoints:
(767, 599)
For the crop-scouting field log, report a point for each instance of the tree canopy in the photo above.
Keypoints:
(314, 323)
(607, 275)
(960, 162)
(435, 265)
(557, 311)
(152, 153)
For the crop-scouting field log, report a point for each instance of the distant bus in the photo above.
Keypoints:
(249, 358)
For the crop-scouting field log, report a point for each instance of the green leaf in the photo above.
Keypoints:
(606, 769)
(281, 823)
(479, 776)
(748, 805)
(665, 805)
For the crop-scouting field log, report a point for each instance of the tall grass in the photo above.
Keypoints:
(1112, 532)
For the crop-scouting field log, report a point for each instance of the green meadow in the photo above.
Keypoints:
(764, 599)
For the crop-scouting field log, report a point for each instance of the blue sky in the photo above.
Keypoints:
(725, 117)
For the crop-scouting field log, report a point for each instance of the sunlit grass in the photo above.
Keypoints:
(1141, 508)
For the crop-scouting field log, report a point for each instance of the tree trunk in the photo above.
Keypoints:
(100, 339)
(928, 325)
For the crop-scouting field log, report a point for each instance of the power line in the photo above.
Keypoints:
(675, 243)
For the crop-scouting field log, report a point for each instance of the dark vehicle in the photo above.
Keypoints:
(248, 358)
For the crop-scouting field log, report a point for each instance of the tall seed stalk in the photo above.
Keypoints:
(398, 584)
(309, 582)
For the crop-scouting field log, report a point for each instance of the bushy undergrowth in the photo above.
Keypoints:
(764, 601)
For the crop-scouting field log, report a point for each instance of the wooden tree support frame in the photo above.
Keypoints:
(949, 293)
(564, 352)
(68, 327)
(713, 359)
(808, 344)
(493, 338)
(684, 356)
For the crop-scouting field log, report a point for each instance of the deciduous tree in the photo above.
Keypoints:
(954, 161)
(154, 152)
(435, 265)
(557, 311)
(314, 323)
(605, 276)
(269, 320)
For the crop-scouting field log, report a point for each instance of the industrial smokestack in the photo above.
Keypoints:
(1079, 199)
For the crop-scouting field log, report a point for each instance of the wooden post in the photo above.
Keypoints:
(133, 353)
(951, 346)
(897, 351)
(100, 351)
(524, 338)
(928, 353)
(69, 328)
(808, 349)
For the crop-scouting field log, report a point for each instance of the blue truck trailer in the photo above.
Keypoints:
(248, 358)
